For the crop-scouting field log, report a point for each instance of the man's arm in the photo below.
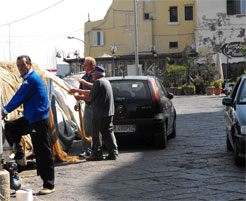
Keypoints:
(85, 98)
(88, 84)
(80, 91)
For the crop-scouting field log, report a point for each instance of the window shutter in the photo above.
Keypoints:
(95, 38)
(101, 38)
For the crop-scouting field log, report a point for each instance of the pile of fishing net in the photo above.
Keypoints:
(65, 125)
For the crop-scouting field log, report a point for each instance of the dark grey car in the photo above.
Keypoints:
(235, 116)
(143, 108)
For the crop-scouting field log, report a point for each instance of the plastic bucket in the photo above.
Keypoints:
(24, 195)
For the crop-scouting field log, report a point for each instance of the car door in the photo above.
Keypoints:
(166, 104)
(230, 110)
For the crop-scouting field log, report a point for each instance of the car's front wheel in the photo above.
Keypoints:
(160, 141)
(173, 134)
(228, 143)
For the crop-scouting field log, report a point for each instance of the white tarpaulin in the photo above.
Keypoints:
(65, 118)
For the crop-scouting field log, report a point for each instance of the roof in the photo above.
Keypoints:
(130, 78)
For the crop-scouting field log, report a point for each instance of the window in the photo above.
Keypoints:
(242, 96)
(98, 38)
(236, 7)
(173, 11)
(146, 16)
(188, 13)
(173, 45)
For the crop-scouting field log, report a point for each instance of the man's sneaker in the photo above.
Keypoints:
(21, 162)
(111, 157)
(46, 191)
(84, 154)
(19, 155)
(95, 158)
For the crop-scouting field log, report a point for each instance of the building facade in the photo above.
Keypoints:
(165, 29)
(220, 30)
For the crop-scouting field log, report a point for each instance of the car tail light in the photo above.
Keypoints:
(154, 94)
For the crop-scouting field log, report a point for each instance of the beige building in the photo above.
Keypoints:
(165, 28)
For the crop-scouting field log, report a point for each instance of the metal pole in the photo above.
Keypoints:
(9, 45)
(136, 37)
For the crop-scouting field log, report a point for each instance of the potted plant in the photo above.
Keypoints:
(210, 89)
(188, 89)
(218, 87)
(199, 84)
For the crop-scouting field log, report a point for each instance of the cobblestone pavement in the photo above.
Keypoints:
(194, 166)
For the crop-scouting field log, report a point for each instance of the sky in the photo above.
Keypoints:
(39, 28)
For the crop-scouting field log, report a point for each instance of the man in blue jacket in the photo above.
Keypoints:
(32, 94)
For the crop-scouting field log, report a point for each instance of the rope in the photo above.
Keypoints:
(82, 125)
(56, 148)
(58, 153)
(80, 111)
(67, 90)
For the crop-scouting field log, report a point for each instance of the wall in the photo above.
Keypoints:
(215, 28)
(154, 33)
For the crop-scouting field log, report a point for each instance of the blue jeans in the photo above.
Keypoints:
(87, 118)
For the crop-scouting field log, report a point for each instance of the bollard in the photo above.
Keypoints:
(1, 137)
(4, 185)
(4, 174)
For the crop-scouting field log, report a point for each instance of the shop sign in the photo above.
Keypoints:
(234, 49)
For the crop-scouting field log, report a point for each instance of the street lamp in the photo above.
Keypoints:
(58, 54)
(71, 37)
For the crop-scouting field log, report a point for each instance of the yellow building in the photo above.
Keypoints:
(165, 28)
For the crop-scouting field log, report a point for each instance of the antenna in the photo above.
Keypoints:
(89, 17)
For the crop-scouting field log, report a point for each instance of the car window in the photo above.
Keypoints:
(160, 89)
(129, 89)
(242, 93)
(234, 91)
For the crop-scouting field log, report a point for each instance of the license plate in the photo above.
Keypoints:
(124, 128)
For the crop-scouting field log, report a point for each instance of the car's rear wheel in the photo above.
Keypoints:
(237, 160)
(160, 141)
(173, 134)
(228, 143)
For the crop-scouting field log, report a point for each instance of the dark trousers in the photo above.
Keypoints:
(41, 145)
(105, 127)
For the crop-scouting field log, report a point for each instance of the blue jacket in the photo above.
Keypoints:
(33, 95)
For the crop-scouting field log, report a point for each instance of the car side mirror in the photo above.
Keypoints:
(170, 95)
(227, 101)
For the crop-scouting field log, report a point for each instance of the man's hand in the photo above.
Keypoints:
(78, 97)
(76, 107)
(3, 114)
(73, 91)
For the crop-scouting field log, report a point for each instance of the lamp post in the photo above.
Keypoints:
(136, 37)
(71, 37)
(76, 53)
(58, 54)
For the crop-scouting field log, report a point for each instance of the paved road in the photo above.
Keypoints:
(194, 166)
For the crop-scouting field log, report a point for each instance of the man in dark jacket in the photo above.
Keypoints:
(101, 96)
(32, 94)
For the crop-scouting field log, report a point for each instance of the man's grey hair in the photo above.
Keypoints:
(101, 74)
